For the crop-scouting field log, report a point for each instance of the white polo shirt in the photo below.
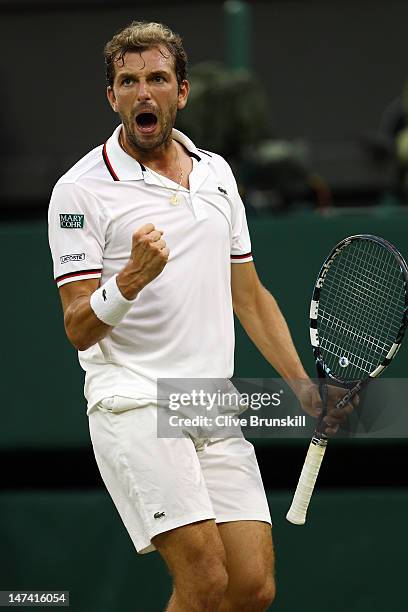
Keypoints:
(181, 324)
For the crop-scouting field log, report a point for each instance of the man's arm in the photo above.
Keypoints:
(82, 326)
(260, 316)
(149, 255)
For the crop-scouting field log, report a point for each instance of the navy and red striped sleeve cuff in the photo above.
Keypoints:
(69, 277)
(242, 258)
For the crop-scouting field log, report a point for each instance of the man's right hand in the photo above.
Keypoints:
(148, 257)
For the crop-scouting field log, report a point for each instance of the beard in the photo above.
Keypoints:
(140, 142)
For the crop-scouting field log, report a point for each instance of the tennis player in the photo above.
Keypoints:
(151, 256)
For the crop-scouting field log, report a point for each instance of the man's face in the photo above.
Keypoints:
(147, 96)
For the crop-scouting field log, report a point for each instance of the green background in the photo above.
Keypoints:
(351, 554)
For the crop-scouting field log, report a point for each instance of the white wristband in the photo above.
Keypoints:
(109, 305)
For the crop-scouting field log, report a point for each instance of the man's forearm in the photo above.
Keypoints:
(83, 327)
(267, 328)
(86, 323)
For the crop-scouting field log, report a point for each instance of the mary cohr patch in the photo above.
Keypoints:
(71, 221)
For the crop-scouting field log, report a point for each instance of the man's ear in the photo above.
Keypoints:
(184, 89)
(110, 94)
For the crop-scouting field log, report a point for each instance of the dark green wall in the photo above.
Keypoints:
(288, 253)
(42, 397)
(350, 556)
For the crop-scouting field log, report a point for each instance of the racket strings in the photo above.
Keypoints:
(363, 290)
(378, 346)
(379, 279)
(352, 330)
(360, 308)
(348, 327)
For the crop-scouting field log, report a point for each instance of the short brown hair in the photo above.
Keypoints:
(139, 36)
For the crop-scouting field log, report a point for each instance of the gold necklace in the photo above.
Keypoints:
(174, 198)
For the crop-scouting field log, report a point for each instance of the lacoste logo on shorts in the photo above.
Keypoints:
(159, 515)
(71, 221)
(104, 295)
(73, 257)
(222, 190)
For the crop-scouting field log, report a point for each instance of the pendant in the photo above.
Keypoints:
(174, 200)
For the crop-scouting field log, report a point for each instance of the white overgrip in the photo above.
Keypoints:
(300, 503)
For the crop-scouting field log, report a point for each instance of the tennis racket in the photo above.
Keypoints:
(358, 316)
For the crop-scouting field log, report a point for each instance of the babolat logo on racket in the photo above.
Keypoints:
(327, 264)
(71, 221)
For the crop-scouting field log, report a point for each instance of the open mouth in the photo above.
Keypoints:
(146, 122)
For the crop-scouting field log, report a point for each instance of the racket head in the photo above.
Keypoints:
(359, 309)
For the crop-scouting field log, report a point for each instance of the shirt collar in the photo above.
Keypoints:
(123, 167)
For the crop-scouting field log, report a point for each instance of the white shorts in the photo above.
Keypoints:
(158, 484)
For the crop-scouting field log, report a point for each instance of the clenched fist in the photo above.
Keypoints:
(148, 257)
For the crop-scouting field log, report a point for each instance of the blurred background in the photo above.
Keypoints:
(308, 100)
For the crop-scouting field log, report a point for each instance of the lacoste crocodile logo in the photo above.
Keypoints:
(159, 514)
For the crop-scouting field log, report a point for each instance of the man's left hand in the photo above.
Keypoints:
(309, 397)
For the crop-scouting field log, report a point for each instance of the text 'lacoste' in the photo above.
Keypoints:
(73, 257)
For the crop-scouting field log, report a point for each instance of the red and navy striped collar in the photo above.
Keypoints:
(123, 167)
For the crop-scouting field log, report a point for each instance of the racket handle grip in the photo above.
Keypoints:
(300, 503)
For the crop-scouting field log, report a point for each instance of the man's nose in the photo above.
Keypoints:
(144, 91)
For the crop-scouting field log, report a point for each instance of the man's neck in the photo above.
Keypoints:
(160, 158)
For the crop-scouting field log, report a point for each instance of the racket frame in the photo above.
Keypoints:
(317, 447)
(314, 308)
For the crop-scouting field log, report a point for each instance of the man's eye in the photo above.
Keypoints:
(127, 81)
(158, 78)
